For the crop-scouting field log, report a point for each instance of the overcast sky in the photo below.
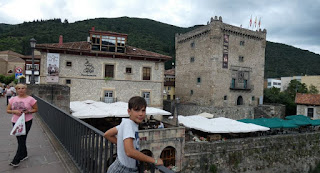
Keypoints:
(292, 22)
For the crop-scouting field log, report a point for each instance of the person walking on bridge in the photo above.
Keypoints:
(22, 103)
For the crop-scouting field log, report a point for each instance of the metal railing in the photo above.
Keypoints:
(85, 144)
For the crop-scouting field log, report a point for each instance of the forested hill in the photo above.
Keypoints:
(281, 60)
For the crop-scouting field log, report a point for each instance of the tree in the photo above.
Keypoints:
(313, 89)
(294, 87)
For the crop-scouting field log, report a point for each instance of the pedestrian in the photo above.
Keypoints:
(22, 103)
(1, 90)
(13, 89)
(126, 137)
(8, 92)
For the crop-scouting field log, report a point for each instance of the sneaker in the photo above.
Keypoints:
(25, 158)
(15, 163)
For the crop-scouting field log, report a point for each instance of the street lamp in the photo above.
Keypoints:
(32, 45)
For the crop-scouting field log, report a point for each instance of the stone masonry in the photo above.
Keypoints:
(205, 77)
(123, 85)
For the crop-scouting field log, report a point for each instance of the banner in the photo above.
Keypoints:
(53, 67)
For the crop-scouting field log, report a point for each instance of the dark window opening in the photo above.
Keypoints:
(310, 112)
(69, 64)
(128, 70)
(146, 73)
(240, 100)
(192, 59)
(241, 58)
(225, 98)
(199, 80)
(191, 92)
(109, 71)
(68, 81)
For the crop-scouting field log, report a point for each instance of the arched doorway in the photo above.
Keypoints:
(240, 100)
(168, 155)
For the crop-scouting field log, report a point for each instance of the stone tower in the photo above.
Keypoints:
(220, 65)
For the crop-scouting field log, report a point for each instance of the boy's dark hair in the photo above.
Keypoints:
(137, 102)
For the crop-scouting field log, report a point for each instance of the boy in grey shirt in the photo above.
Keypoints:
(126, 137)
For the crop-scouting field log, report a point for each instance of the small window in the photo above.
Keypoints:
(68, 81)
(169, 88)
(240, 58)
(192, 44)
(253, 98)
(191, 92)
(269, 83)
(199, 80)
(241, 43)
(128, 70)
(68, 63)
(10, 71)
(225, 98)
(192, 59)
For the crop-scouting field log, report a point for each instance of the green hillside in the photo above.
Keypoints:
(281, 60)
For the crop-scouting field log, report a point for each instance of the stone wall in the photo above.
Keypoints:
(58, 95)
(294, 153)
(270, 111)
(158, 139)
(236, 113)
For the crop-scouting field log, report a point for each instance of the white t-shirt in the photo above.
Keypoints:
(127, 129)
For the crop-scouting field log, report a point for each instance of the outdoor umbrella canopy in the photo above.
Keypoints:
(218, 125)
(94, 109)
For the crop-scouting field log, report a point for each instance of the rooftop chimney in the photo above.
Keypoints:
(60, 40)
(92, 29)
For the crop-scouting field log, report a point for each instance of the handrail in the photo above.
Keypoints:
(85, 144)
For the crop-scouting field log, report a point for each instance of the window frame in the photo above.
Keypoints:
(113, 70)
(146, 73)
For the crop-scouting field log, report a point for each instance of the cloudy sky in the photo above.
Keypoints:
(292, 22)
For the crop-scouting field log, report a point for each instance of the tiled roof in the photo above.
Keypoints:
(307, 99)
(9, 52)
(170, 72)
(11, 56)
(86, 47)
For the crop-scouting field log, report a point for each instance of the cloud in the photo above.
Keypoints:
(292, 22)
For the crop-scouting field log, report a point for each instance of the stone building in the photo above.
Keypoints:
(104, 68)
(28, 67)
(169, 84)
(308, 105)
(9, 61)
(219, 65)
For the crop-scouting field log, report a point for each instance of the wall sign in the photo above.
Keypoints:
(225, 51)
(53, 67)
(88, 69)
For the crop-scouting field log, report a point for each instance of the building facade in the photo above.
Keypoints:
(308, 105)
(10, 61)
(273, 83)
(220, 65)
(169, 85)
(104, 68)
(28, 67)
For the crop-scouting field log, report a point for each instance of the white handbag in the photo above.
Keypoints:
(19, 127)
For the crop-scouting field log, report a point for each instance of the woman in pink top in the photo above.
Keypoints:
(22, 103)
